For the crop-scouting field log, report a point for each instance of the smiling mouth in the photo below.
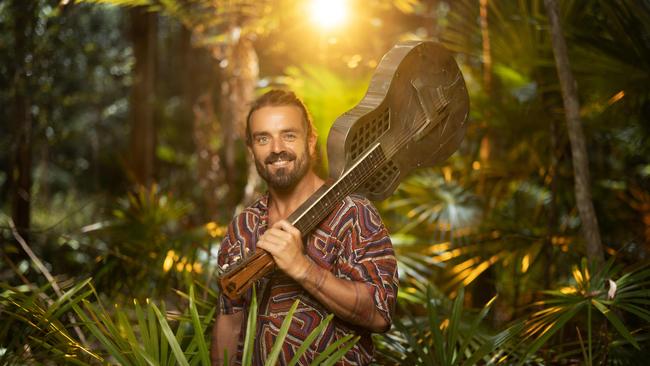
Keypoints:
(280, 163)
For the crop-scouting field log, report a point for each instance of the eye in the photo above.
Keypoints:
(262, 139)
(290, 136)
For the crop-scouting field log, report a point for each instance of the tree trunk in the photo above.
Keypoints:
(198, 106)
(21, 174)
(239, 78)
(484, 150)
(576, 136)
(143, 137)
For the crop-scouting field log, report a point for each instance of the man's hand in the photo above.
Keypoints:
(350, 300)
(284, 242)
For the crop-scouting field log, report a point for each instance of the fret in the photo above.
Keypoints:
(347, 184)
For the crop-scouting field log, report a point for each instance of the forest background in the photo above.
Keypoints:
(121, 163)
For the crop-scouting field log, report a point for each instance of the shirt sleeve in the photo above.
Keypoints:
(367, 255)
(229, 251)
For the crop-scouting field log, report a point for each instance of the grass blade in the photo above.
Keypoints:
(279, 340)
(310, 339)
(204, 355)
(167, 332)
(153, 333)
(329, 350)
(338, 355)
(251, 326)
(94, 329)
(454, 324)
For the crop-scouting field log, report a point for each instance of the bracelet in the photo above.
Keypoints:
(318, 281)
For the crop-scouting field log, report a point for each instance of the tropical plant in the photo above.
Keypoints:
(594, 301)
(37, 330)
(35, 327)
(445, 334)
(147, 247)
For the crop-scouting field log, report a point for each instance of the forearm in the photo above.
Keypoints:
(225, 337)
(351, 301)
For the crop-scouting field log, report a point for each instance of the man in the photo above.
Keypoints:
(346, 266)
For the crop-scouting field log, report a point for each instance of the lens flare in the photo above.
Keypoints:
(328, 13)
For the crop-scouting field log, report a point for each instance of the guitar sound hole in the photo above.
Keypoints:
(368, 132)
(380, 180)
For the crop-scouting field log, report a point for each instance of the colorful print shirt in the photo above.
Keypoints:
(352, 243)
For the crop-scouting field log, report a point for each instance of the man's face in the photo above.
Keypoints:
(280, 145)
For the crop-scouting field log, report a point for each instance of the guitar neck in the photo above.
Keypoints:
(306, 217)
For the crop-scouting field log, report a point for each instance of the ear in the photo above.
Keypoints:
(312, 141)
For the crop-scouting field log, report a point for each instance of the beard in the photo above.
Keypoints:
(284, 179)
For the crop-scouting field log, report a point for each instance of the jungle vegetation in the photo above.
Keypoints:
(122, 162)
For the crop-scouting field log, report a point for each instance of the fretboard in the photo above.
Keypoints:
(323, 201)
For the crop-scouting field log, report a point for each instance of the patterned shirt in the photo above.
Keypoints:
(352, 243)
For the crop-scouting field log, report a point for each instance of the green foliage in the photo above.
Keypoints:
(595, 294)
(147, 244)
(452, 339)
(498, 217)
(35, 327)
(145, 334)
(332, 354)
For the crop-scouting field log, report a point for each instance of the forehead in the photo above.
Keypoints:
(276, 118)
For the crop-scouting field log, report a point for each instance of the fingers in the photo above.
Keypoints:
(276, 234)
(287, 227)
(275, 239)
(281, 237)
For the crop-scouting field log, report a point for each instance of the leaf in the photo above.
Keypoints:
(434, 326)
(134, 346)
(310, 339)
(204, 354)
(167, 332)
(411, 340)
(454, 324)
(250, 331)
(494, 343)
(282, 334)
(552, 328)
(94, 329)
(338, 355)
(618, 324)
(329, 350)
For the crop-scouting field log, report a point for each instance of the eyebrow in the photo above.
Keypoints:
(262, 133)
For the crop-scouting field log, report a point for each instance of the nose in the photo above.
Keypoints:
(277, 145)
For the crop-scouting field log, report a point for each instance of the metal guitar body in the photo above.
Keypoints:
(417, 90)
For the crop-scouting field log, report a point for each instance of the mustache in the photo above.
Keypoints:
(282, 155)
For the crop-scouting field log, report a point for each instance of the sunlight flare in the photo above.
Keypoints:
(328, 14)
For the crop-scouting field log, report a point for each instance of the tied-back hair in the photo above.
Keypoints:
(277, 98)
